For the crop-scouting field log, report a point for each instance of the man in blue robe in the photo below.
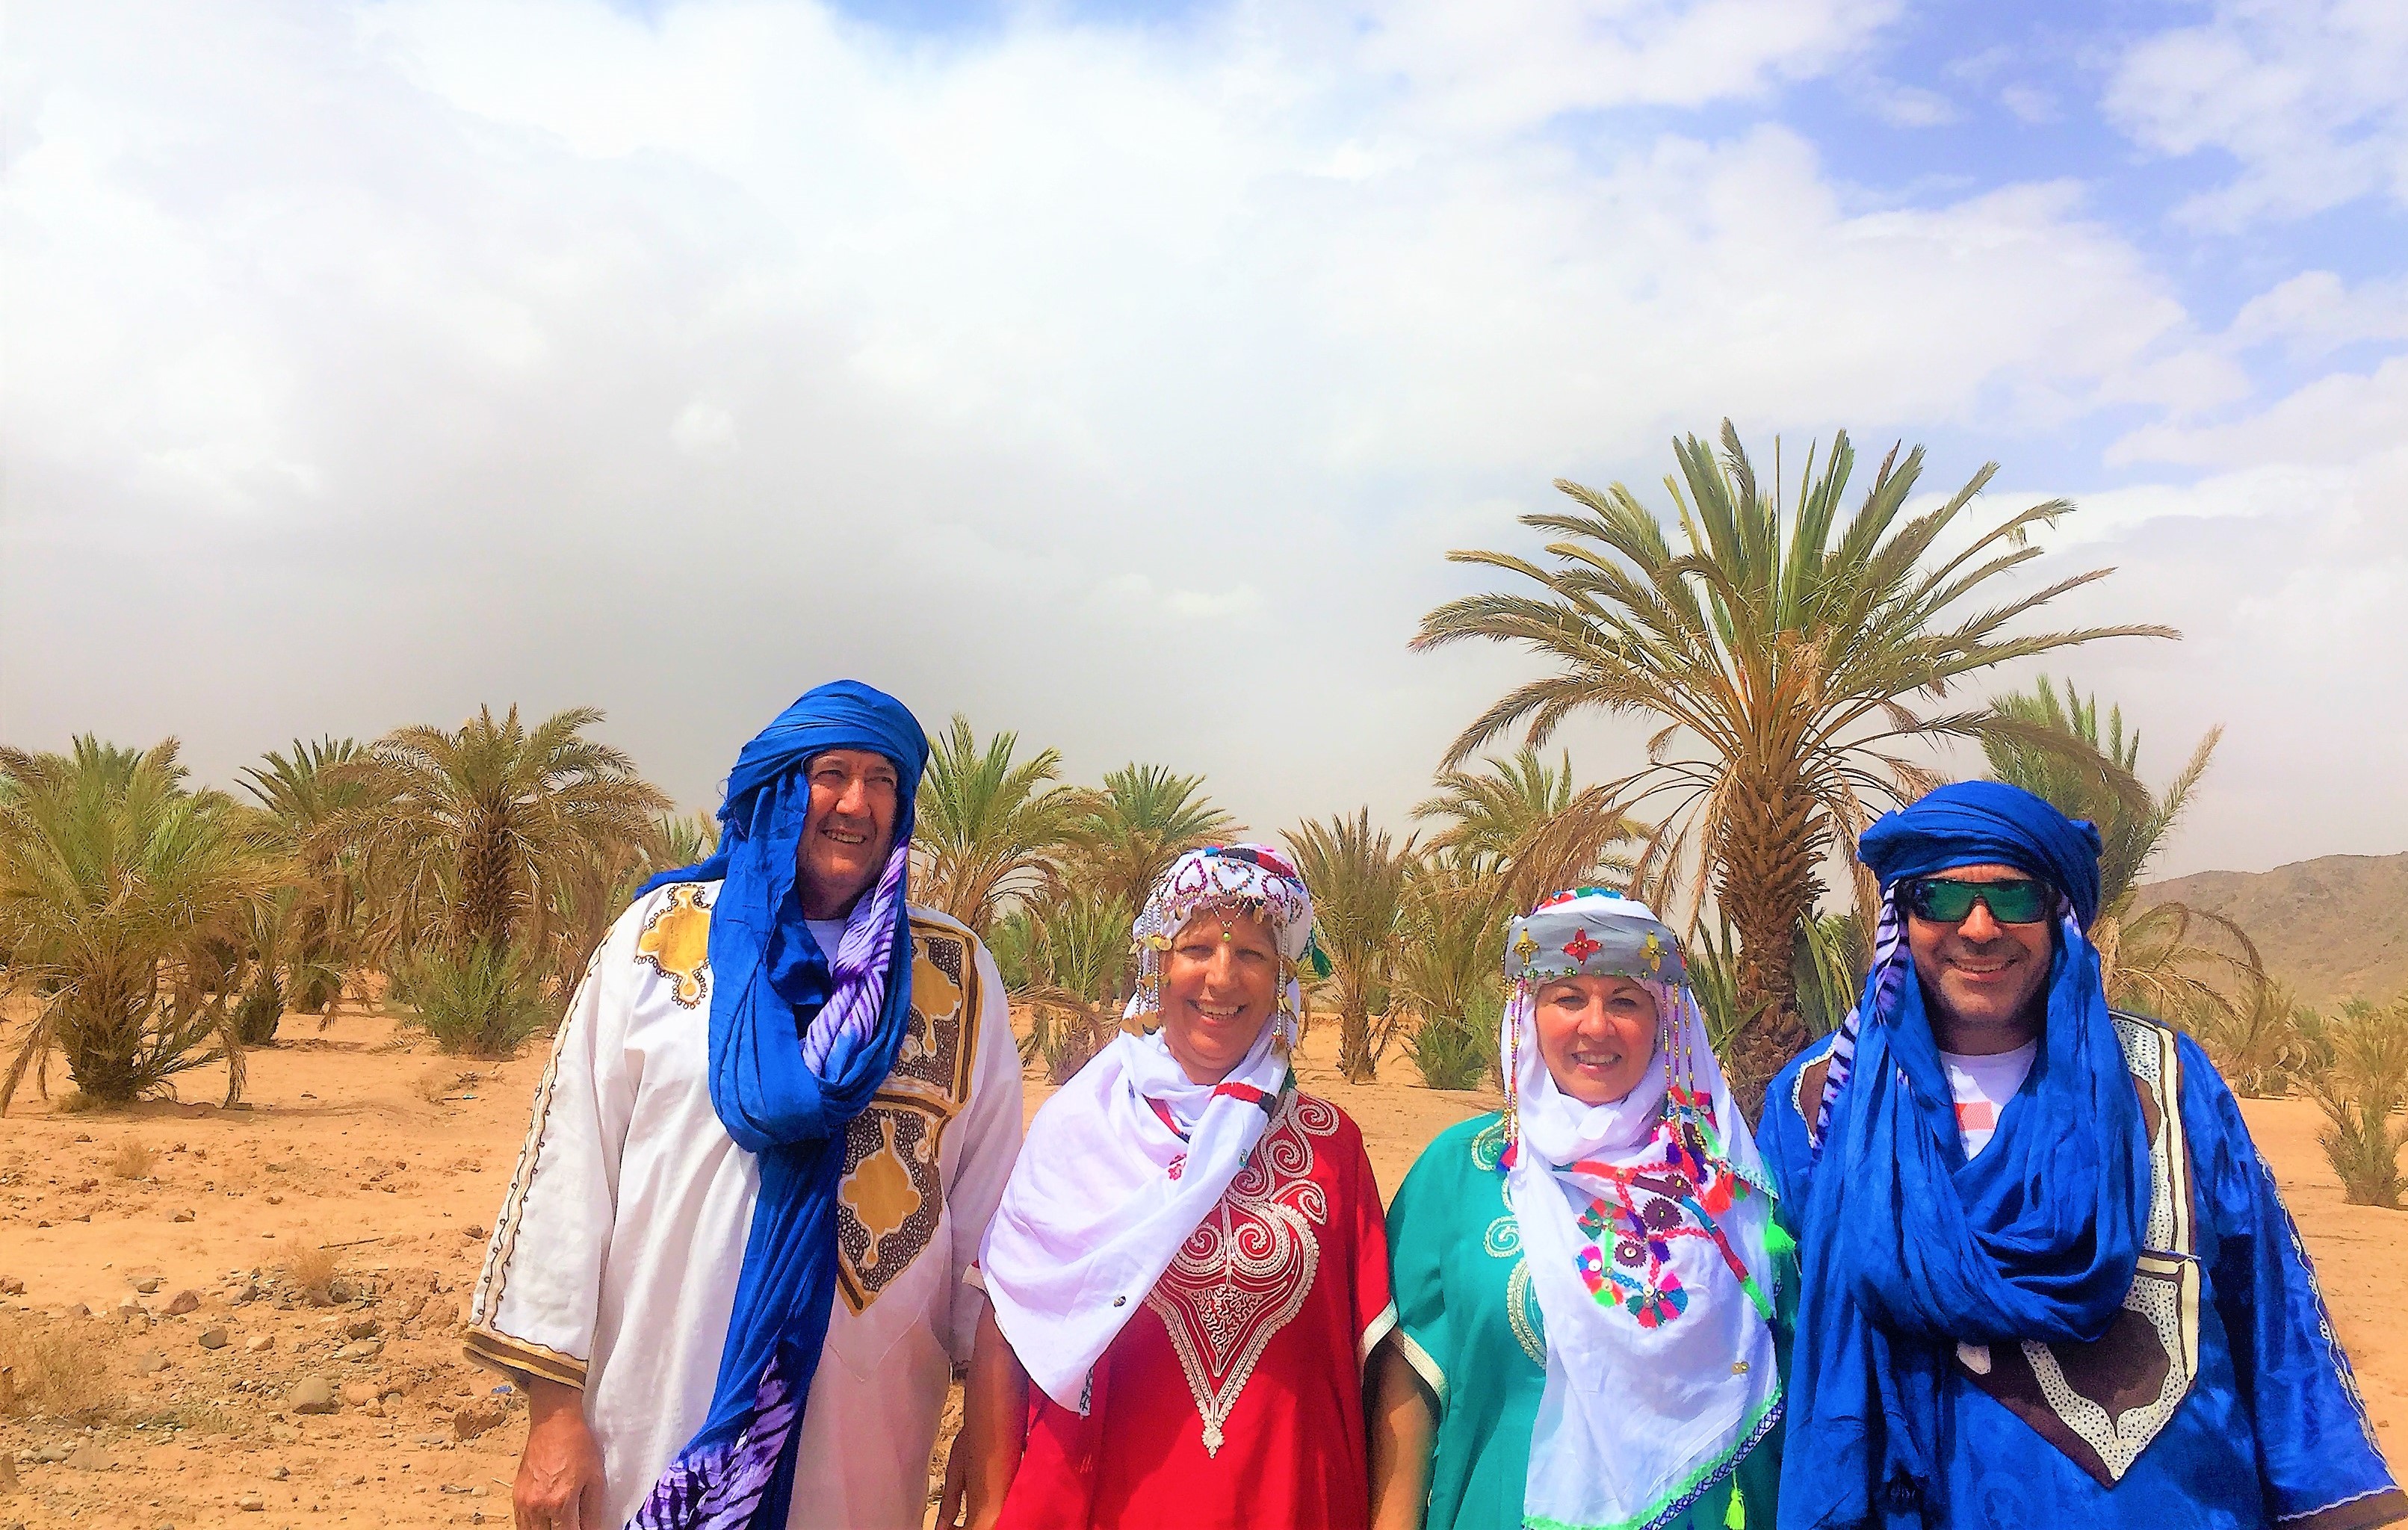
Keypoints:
(2047, 1281)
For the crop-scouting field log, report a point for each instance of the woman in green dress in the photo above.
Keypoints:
(1593, 1293)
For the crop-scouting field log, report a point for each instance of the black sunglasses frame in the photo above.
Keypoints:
(1985, 894)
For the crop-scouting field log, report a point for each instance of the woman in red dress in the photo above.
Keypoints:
(1190, 1263)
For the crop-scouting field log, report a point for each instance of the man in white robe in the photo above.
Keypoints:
(613, 1272)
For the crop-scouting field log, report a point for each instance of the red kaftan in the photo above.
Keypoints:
(1234, 1396)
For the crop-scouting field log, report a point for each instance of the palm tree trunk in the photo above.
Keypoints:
(1355, 1041)
(487, 893)
(1765, 880)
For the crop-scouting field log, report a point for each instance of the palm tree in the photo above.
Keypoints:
(680, 840)
(1070, 949)
(1357, 878)
(2153, 958)
(989, 826)
(1779, 649)
(1145, 818)
(1523, 822)
(313, 928)
(2261, 1045)
(1448, 968)
(120, 892)
(470, 833)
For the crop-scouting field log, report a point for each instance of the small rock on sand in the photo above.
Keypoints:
(149, 1284)
(87, 1458)
(251, 1503)
(259, 1344)
(361, 1327)
(12, 1286)
(366, 1348)
(183, 1302)
(473, 1420)
(182, 1216)
(311, 1394)
(215, 1339)
(359, 1394)
(78, 1310)
(151, 1364)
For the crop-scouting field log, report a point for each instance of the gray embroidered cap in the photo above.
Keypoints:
(1592, 932)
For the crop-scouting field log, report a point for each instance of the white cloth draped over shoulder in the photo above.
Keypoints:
(1125, 1162)
(1107, 1190)
(1660, 1362)
(614, 1259)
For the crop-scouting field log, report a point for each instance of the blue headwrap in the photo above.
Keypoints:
(800, 1039)
(1909, 1247)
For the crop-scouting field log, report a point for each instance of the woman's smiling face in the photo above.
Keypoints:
(1596, 1036)
(1220, 985)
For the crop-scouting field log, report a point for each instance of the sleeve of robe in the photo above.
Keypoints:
(535, 1300)
(2317, 1459)
(1419, 1221)
(992, 1124)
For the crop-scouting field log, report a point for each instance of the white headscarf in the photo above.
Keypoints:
(1128, 1159)
(1660, 1368)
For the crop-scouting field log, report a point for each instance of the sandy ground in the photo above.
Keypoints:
(391, 1161)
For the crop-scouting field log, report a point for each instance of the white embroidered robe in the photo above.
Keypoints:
(614, 1258)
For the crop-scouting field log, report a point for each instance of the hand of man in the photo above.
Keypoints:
(957, 1471)
(560, 1475)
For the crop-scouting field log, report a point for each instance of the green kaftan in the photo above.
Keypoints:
(1469, 1323)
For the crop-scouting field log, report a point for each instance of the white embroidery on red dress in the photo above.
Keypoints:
(1244, 1273)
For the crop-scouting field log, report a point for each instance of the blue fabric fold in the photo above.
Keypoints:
(776, 998)
(1987, 823)
(1908, 1248)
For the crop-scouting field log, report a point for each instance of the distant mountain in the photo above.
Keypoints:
(2330, 928)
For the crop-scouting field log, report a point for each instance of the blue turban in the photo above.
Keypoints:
(1909, 1247)
(800, 1041)
(1985, 823)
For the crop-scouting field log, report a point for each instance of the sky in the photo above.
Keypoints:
(1121, 374)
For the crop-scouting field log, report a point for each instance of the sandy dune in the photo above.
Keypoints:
(391, 1161)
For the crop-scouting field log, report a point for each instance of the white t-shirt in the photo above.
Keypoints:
(1983, 1086)
(827, 932)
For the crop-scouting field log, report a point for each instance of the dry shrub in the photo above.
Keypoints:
(435, 1084)
(59, 1369)
(133, 1161)
(312, 1269)
(75, 1102)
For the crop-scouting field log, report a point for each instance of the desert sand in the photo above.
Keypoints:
(165, 1296)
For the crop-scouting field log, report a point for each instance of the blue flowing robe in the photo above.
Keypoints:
(2271, 1431)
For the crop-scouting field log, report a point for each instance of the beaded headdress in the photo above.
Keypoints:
(1248, 878)
(1595, 932)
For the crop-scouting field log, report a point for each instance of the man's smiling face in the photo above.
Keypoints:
(848, 829)
(1983, 976)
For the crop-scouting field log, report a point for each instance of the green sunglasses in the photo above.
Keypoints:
(1945, 901)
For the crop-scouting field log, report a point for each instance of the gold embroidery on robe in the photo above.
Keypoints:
(892, 1195)
(675, 942)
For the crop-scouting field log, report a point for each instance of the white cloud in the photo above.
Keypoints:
(2315, 313)
(1120, 384)
(2306, 95)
